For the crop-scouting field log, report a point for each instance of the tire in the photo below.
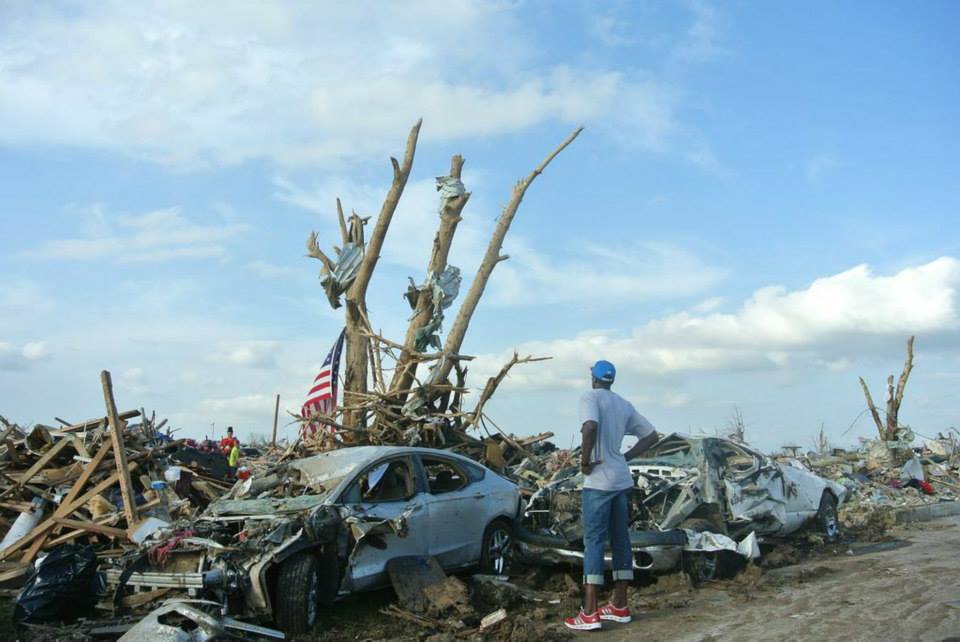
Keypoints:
(706, 566)
(828, 523)
(496, 548)
(296, 598)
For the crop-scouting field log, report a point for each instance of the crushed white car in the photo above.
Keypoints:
(686, 486)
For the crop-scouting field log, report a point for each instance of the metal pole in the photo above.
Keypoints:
(276, 414)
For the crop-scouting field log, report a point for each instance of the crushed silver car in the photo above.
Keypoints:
(286, 542)
(685, 486)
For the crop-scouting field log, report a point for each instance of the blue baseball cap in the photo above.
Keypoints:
(603, 371)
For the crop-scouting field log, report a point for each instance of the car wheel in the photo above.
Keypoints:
(702, 566)
(295, 602)
(496, 548)
(827, 520)
(705, 566)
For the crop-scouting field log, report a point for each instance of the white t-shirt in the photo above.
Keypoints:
(615, 417)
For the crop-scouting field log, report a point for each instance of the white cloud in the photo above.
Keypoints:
(255, 354)
(189, 84)
(607, 273)
(13, 357)
(827, 325)
(160, 235)
(709, 305)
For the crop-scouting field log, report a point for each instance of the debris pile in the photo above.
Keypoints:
(96, 491)
(877, 488)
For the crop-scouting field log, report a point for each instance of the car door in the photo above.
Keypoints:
(803, 491)
(458, 512)
(374, 503)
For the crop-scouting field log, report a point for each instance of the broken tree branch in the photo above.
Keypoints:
(459, 329)
(873, 409)
(493, 383)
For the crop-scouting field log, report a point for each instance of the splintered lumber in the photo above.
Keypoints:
(97, 423)
(119, 451)
(65, 509)
(92, 527)
(44, 460)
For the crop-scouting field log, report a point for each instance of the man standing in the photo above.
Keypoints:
(606, 417)
(230, 447)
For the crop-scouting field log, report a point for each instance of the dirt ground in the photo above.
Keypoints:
(895, 590)
(902, 585)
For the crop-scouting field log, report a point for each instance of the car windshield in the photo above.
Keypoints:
(324, 471)
(678, 453)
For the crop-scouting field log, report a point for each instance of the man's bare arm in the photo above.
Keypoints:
(641, 446)
(589, 432)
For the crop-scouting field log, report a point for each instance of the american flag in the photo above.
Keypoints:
(322, 398)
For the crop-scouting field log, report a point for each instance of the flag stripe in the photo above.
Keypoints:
(322, 397)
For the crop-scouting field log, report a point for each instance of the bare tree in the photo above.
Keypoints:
(822, 443)
(888, 430)
(736, 428)
(403, 401)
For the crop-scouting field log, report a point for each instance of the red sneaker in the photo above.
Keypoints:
(614, 614)
(584, 622)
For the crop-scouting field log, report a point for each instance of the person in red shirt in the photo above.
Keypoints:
(228, 442)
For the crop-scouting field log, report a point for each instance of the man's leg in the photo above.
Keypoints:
(620, 546)
(595, 517)
(596, 520)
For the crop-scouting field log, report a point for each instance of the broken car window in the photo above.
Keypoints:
(386, 482)
(738, 461)
(442, 475)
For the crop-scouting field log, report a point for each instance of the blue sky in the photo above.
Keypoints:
(762, 206)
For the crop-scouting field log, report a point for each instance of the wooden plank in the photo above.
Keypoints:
(92, 527)
(96, 423)
(20, 507)
(74, 492)
(45, 526)
(119, 451)
(276, 416)
(43, 461)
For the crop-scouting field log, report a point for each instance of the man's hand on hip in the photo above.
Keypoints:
(586, 467)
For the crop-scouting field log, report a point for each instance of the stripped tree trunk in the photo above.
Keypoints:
(450, 217)
(357, 342)
(888, 430)
(459, 329)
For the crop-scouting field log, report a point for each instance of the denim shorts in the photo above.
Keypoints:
(606, 514)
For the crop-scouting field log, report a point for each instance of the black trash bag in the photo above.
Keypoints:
(63, 588)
